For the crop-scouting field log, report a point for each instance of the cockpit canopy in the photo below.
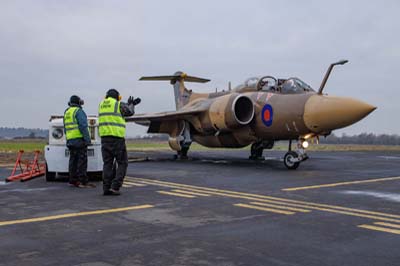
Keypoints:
(271, 84)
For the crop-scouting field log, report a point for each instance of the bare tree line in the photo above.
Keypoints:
(363, 138)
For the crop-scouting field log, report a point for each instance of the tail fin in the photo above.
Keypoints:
(177, 80)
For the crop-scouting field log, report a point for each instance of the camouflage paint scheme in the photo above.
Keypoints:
(261, 110)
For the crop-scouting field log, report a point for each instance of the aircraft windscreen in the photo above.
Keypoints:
(271, 84)
(295, 86)
(251, 82)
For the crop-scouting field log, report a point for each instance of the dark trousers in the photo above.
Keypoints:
(77, 165)
(115, 162)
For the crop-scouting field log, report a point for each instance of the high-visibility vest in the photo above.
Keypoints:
(111, 121)
(71, 124)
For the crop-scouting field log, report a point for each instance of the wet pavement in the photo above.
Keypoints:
(217, 208)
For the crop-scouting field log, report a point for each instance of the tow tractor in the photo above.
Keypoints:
(56, 153)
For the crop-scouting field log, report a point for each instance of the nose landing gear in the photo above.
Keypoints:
(293, 159)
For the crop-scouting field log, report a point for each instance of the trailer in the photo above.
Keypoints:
(56, 153)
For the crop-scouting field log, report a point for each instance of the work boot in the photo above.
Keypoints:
(90, 185)
(106, 193)
(75, 184)
(114, 192)
(111, 192)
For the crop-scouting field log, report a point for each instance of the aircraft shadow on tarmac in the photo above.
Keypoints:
(209, 158)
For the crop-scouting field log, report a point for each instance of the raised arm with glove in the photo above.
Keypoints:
(128, 109)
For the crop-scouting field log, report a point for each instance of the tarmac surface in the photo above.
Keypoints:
(217, 208)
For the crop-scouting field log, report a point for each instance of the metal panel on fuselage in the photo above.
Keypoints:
(279, 116)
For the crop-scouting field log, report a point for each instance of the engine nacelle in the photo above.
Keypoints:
(230, 112)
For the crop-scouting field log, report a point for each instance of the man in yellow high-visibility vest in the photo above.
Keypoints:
(77, 135)
(112, 132)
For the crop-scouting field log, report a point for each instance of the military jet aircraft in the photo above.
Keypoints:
(259, 112)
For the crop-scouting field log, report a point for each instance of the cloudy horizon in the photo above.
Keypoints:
(51, 50)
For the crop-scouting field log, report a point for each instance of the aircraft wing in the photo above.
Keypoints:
(184, 113)
(162, 116)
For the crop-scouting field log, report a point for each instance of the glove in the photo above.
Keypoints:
(134, 101)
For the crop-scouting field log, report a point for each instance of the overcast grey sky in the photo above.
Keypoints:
(50, 50)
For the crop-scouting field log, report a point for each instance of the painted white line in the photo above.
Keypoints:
(395, 197)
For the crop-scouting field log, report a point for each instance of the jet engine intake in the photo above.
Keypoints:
(231, 111)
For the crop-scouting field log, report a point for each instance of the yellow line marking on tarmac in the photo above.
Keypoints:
(76, 214)
(254, 197)
(191, 193)
(176, 194)
(134, 184)
(388, 224)
(343, 183)
(382, 229)
(263, 209)
(280, 207)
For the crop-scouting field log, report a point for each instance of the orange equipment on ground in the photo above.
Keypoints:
(32, 168)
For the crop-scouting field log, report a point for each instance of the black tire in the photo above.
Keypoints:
(287, 160)
(182, 154)
(50, 176)
(256, 151)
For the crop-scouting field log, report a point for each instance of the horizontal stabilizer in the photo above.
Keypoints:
(177, 76)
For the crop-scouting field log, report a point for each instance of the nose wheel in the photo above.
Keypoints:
(293, 159)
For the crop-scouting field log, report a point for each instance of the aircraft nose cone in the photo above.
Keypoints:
(325, 113)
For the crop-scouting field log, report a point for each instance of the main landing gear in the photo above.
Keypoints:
(293, 159)
(257, 149)
(181, 143)
(182, 154)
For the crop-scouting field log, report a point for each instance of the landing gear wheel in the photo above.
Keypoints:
(50, 176)
(289, 162)
(256, 151)
(182, 154)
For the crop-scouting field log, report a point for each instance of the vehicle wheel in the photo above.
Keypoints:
(50, 176)
(288, 160)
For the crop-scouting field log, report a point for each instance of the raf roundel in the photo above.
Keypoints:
(267, 115)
